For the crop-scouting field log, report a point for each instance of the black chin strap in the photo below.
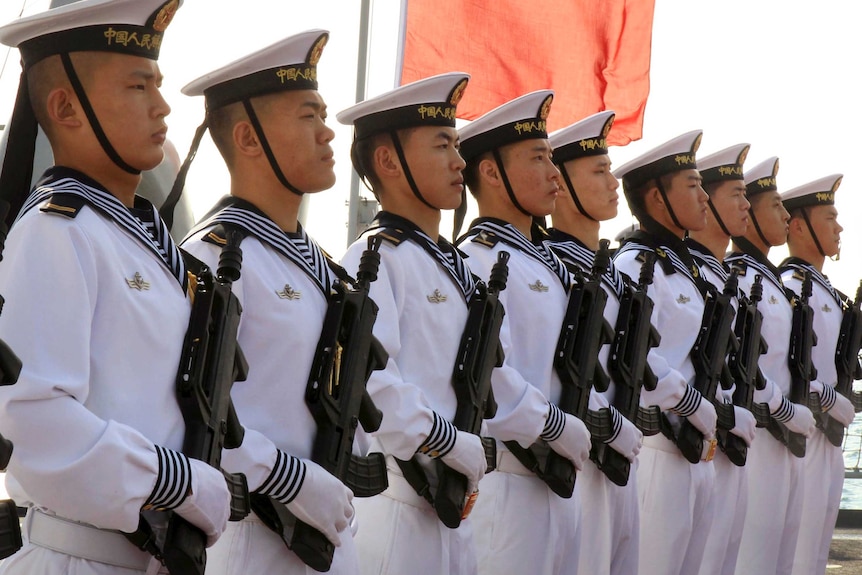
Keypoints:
(255, 123)
(505, 177)
(399, 150)
(167, 210)
(670, 211)
(573, 193)
(757, 228)
(811, 231)
(717, 217)
(91, 116)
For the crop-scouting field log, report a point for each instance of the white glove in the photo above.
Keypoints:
(323, 502)
(628, 441)
(574, 441)
(842, 411)
(802, 421)
(467, 457)
(704, 419)
(207, 507)
(745, 424)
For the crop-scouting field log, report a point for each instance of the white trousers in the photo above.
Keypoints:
(776, 488)
(522, 527)
(400, 533)
(249, 547)
(609, 539)
(731, 501)
(823, 468)
(676, 503)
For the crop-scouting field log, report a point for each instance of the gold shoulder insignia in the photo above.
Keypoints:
(799, 275)
(215, 238)
(538, 286)
(288, 293)
(394, 236)
(486, 239)
(64, 204)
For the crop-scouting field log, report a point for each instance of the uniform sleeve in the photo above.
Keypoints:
(408, 419)
(66, 458)
(672, 385)
(522, 409)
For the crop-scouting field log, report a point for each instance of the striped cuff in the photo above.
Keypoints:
(689, 403)
(555, 423)
(784, 412)
(617, 419)
(441, 440)
(174, 481)
(286, 479)
(827, 397)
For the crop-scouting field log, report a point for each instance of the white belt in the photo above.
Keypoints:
(84, 541)
(508, 463)
(400, 490)
(662, 443)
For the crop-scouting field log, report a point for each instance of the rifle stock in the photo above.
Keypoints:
(634, 336)
(479, 353)
(802, 370)
(346, 354)
(742, 362)
(846, 363)
(583, 332)
(709, 356)
(210, 363)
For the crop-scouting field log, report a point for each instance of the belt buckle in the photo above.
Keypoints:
(709, 448)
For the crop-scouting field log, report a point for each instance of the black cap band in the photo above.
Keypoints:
(413, 116)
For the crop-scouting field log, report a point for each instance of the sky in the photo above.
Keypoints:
(782, 75)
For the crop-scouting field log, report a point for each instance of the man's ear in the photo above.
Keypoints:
(489, 172)
(63, 108)
(386, 163)
(245, 139)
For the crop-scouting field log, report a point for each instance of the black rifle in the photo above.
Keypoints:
(576, 362)
(210, 363)
(742, 362)
(846, 363)
(346, 354)
(635, 336)
(10, 369)
(709, 356)
(802, 370)
(478, 354)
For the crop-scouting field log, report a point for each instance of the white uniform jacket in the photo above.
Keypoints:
(96, 308)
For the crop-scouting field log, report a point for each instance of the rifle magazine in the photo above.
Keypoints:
(600, 423)
(726, 416)
(240, 505)
(761, 414)
(856, 398)
(649, 420)
(366, 476)
(10, 529)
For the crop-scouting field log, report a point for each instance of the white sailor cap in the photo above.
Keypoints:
(587, 137)
(290, 64)
(524, 118)
(817, 193)
(427, 102)
(723, 165)
(672, 156)
(762, 177)
(132, 27)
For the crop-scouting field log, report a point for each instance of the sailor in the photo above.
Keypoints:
(406, 148)
(522, 526)
(723, 182)
(268, 121)
(663, 190)
(815, 234)
(96, 298)
(589, 196)
(775, 481)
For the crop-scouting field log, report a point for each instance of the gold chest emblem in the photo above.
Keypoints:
(538, 286)
(138, 283)
(288, 293)
(683, 299)
(437, 297)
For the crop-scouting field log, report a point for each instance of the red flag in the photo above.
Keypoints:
(594, 54)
